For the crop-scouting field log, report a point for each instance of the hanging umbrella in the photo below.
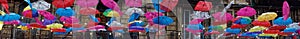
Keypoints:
(4, 4)
(267, 16)
(285, 10)
(36, 25)
(47, 15)
(65, 12)
(277, 27)
(203, 6)
(55, 26)
(294, 25)
(87, 3)
(94, 19)
(58, 30)
(96, 28)
(71, 19)
(112, 5)
(47, 22)
(290, 30)
(286, 33)
(273, 35)
(133, 17)
(91, 24)
(157, 7)
(168, 5)
(257, 29)
(130, 11)
(136, 29)
(133, 3)
(200, 15)
(88, 11)
(271, 31)
(242, 20)
(11, 16)
(41, 5)
(281, 21)
(246, 11)
(116, 26)
(227, 17)
(29, 14)
(233, 31)
(163, 20)
(60, 33)
(196, 21)
(13, 22)
(111, 13)
(194, 28)
(251, 34)
(150, 15)
(261, 23)
(136, 23)
(234, 26)
(62, 3)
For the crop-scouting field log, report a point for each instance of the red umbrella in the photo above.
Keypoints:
(168, 5)
(87, 3)
(88, 11)
(203, 6)
(62, 3)
(36, 25)
(133, 3)
(112, 5)
(4, 4)
(59, 30)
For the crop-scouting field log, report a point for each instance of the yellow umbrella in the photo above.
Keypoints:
(273, 35)
(27, 8)
(111, 13)
(2, 13)
(267, 16)
(23, 27)
(55, 26)
(257, 28)
(1, 25)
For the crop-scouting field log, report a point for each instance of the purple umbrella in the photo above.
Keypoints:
(133, 3)
(87, 3)
(285, 10)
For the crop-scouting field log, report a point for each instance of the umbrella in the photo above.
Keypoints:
(242, 20)
(271, 31)
(294, 25)
(234, 31)
(47, 22)
(60, 33)
(130, 11)
(4, 4)
(13, 22)
(65, 12)
(91, 24)
(36, 25)
(196, 21)
(257, 28)
(157, 7)
(87, 3)
(277, 27)
(71, 19)
(200, 15)
(47, 15)
(136, 29)
(203, 6)
(227, 17)
(29, 14)
(55, 26)
(94, 19)
(88, 11)
(163, 20)
(246, 11)
(290, 30)
(59, 30)
(286, 33)
(2, 13)
(281, 21)
(133, 17)
(261, 23)
(168, 5)
(62, 3)
(96, 28)
(285, 10)
(11, 16)
(133, 3)
(195, 26)
(41, 5)
(234, 26)
(112, 5)
(267, 16)
(150, 15)
(194, 31)
(1, 25)
(273, 35)
(111, 13)
(136, 23)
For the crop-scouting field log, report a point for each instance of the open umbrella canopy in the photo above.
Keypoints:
(246, 11)
(163, 20)
(281, 21)
(130, 11)
(58, 30)
(13, 22)
(242, 20)
(133, 17)
(134, 3)
(46, 15)
(4, 4)
(294, 25)
(88, 11)
(277, 27)
(203, 6)
(257, 28)
(196, 21)
(285, 10)
(29, 14)
(65, 12)
(290, 30)
(168, 5)
(55, 26)
(41, 5)
(195, 26)
(267, 16)
(157, 7)
(234, 31)
(112, 5)
(226, 17)
(96, 28)
(111, 13)
(36, 25)
(71, 19)
(200, 15)
(47, 22)
(261, 23)
(94, 19)
(87, 3)
(62, 3)
(10, 17)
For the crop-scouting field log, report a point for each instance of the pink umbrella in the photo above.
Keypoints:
(71, 19)
(227, 17)
(246, 11)
(96, 28)
(46, 14)
(285, 10)
(88, 11)
(168, 5)
(196, 21)
(112, 5)
(133, 3)
(87, 3)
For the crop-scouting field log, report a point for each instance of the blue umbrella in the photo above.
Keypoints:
(111, 20)
(290, 30)
(47, 22)
(163, 20)
(282, 22)
(251, 34)
(94, 18)
(133, 17)
(243, 21)
(157, 7)
(65, 12)
(234, 31)
(60, 33)
(195, 27)
(136, 23)
(11, 16)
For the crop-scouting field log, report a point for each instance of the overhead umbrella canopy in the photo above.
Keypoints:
(62, 3)
(11, 16)
(267, 16)
(133, 3)
(111, 13)
(55, 26)
(226, 17)
(46, 15)
(41, 5)
(88, 11)
(87, 3)
(281, 21)
(65, 12)
(168, 5)
(203, 6)
(163, 20)
(4, 4)
(261, 23)
(285, 10)
(133, 17)
(200, 15)
(246, 11)
(130, 11)
(112, 5)
(234, 31)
